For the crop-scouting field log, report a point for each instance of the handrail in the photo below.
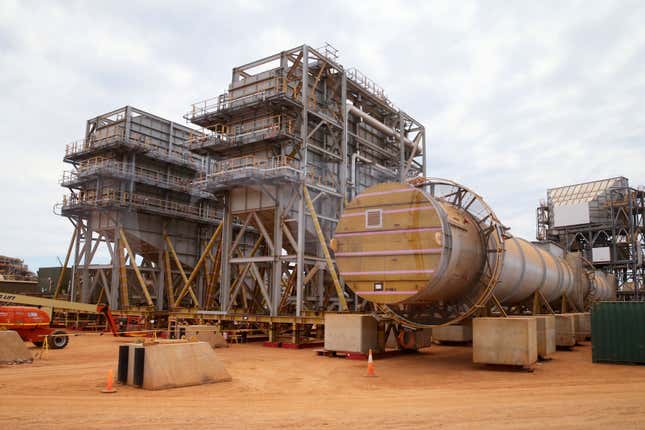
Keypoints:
(225, 101)
(110, 197)
(135, 140)
(99, 164)
(274, 125)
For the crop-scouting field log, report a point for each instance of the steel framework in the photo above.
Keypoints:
(231, 223)
(131, 194)
(616, 222)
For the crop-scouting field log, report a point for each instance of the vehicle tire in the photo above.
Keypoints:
(38, 343)
(58, 342)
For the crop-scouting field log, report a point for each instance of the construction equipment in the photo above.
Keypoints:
(33, 323)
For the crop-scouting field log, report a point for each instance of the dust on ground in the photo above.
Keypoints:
(438, 387)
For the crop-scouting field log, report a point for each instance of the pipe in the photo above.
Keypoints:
(382, 127)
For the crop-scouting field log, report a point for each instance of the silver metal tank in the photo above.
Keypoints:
(405, 247)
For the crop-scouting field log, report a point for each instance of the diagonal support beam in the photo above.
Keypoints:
(264, 232)
(198, 266)
(59, 282)
(137, 272)
(323, 244)
(181, 271)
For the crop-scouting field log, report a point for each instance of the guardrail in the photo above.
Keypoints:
(124, 199)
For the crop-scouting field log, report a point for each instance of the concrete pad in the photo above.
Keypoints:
(173, 365)
(545, 334)
(350, 332)
(565, 330)
(453, 333)
(13, 349)
(206, 333)
(507, 341)
(582, 326)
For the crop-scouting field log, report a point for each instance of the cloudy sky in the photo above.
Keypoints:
(515, 99)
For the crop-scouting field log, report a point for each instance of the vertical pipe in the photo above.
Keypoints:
(116, 269)
(343, 147)
(276, 282)
(87, 259)
(304, 131)
(401, 148)
(161, 278)
(426, 167)
(225, 277)
(77, 246)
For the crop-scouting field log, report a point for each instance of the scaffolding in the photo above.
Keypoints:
(605, 220)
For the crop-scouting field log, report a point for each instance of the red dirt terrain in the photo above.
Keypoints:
(295, 389)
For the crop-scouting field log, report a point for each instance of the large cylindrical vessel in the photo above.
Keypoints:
(401, 246)
(603, 287)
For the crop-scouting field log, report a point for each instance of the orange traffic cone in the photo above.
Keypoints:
(370, 365)
(108, 385)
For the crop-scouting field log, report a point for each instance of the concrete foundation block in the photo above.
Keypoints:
(13, 348)
(206, 333)
(350, 332)
(565, 330)
(131, 346)
(170, 365)
(507, 341)
(582, 326)
(546, 343)
(453, 333)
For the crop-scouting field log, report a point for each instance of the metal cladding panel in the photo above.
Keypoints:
(618, 330)
(600, 254)
(571, 214)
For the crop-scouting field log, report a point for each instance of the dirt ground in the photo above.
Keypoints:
(278, 388)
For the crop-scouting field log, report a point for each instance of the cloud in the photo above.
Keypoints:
(515, 97)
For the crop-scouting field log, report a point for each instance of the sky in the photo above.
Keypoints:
(516, 97)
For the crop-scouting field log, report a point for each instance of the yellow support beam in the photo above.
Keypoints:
(181, 271)
(169, 289)
(59, 283)
(198, 266)
(323, 244)
(137, 272)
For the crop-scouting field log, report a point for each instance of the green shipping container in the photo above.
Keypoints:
(618, 332)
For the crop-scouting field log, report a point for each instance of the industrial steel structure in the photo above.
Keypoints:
(131, 191)
(605, 221)
(231, 223)
(292, 140)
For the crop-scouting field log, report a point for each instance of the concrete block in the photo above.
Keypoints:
(132, 346)
(565, 330)
(206, 333)
(13, 348)
(507, 341)
(546, 343)
(350, 332)
(453, 333)
(582, 326)
(170, 365)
